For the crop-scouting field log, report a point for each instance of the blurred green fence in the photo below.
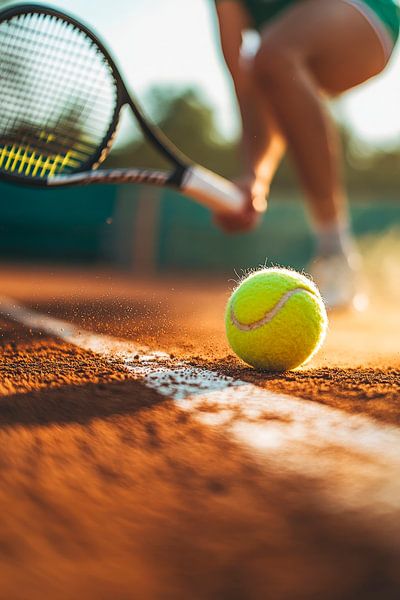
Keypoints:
(53, 225)
(140, 228)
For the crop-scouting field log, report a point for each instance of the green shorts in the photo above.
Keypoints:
(385, 12)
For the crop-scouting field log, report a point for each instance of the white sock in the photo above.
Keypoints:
(334, 238)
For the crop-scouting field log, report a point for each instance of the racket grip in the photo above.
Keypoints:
(213, 191)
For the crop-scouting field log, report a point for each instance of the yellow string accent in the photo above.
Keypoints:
(10, 156)
(2, 156)
(25, 160)
(16, 159)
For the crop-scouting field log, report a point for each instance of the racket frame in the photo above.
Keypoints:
(197, 181)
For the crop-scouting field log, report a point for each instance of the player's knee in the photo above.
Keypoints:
(274, 61)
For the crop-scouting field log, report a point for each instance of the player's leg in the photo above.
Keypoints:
(317, 44)
(316, 47)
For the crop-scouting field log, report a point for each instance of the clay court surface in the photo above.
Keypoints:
(129, 474)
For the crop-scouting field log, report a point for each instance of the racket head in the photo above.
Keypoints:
(60, 92)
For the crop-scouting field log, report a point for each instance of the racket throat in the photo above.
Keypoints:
(111, 176)
(177, 177)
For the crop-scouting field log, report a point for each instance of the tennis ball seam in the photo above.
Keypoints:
(267, 318)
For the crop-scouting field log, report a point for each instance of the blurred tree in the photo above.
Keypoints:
(188, 121)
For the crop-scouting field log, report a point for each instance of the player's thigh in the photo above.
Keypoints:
(331, 37)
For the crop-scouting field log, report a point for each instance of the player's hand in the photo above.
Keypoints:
(255, 194)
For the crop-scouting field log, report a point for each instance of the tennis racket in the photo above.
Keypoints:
(61, 96)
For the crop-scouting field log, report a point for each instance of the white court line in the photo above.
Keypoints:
(354, 459)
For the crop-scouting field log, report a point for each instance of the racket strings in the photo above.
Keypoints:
(70, 67)
(57, 93)
(8, 94)
(21, 45)
(51, 83)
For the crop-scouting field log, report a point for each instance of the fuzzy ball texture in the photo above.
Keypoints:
(276, 319)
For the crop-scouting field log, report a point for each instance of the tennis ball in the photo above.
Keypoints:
(276, 319)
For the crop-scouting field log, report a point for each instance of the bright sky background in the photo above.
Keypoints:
(174, 42)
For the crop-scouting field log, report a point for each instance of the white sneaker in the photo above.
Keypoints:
(338, 277)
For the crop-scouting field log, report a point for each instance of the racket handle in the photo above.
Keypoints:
(213, 191)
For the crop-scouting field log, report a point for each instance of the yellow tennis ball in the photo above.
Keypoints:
(276, 319)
